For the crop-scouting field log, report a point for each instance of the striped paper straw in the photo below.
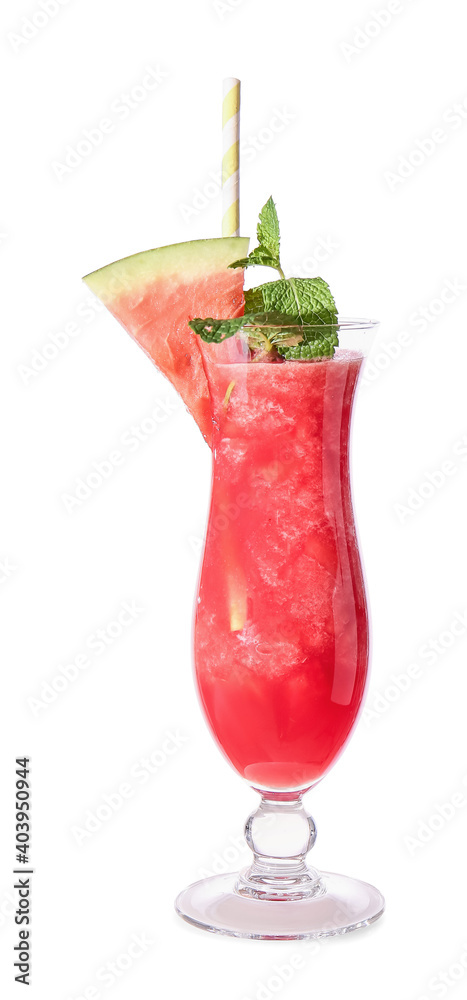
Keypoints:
(231, 157)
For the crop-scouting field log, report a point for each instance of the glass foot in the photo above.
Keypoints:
(279, 896)
(338, 904)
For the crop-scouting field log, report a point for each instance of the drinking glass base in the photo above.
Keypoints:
(338, 905)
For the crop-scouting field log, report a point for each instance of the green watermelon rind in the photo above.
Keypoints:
(188, 261)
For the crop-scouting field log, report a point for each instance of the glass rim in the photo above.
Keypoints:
(346, 325)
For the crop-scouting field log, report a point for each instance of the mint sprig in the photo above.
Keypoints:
(267, 253)
(290, 319)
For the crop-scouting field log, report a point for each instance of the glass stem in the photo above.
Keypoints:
(280, 833)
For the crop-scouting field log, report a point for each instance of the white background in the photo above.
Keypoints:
(350, 115)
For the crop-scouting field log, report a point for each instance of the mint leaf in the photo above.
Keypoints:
(267, 231)
(303, 300)
(214, 331)
(316, 342)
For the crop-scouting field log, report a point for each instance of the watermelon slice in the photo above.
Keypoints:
(153, 295)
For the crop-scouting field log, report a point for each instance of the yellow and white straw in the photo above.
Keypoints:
(231, 158)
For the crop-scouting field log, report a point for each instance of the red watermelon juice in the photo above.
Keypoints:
(281, 629)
